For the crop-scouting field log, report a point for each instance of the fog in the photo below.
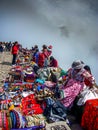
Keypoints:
(71, 26)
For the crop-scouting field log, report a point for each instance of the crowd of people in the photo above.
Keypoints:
(5, 46)
(42, 58)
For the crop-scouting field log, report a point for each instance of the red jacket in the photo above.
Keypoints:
(15, 49)
(41, 59)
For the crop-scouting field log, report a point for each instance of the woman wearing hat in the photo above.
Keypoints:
(75, 83)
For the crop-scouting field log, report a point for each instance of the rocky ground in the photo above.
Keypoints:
(5, 64)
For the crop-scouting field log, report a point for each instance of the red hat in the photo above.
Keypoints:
(50, 46)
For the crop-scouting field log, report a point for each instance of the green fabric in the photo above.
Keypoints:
(63, 72)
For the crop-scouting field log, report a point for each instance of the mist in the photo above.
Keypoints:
(71, 26)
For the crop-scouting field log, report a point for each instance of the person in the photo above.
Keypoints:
(88, 92)
(15, 49)
(49, 50)
(53, 76)
(75, 83)
(36, 56)
(46, 55)
(86, 67)
(1, 47)
(53, 62)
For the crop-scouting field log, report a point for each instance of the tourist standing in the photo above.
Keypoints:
(15, 49)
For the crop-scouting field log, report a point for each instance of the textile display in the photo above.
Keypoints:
(35, 96)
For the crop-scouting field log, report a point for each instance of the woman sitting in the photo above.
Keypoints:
(75, 83)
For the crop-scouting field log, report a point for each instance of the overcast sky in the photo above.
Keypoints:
(71, 26)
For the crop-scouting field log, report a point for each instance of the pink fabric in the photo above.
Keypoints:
(71, 91)
(49, 84)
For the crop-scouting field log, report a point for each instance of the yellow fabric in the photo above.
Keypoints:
(33, 63)
(11, 107)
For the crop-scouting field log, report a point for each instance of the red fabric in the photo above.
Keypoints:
(54, 63)
(90, 115)
(41, 59)
(30, 106)
(45, 52)
(15, 49)
(87, 82)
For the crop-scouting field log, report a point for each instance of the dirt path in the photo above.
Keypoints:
(5, 64)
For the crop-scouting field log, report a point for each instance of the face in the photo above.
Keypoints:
(77, 70)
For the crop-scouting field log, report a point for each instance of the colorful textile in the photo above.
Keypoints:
(90, 115)
(70, 92)
(35, 120)
(30, 106)
(49, 84)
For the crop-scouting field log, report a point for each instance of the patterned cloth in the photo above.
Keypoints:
(71, 91)
(90, 115)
